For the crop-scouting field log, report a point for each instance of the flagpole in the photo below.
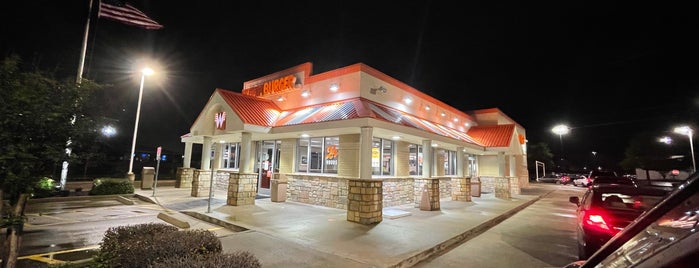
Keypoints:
(78, 80)
(84, 47)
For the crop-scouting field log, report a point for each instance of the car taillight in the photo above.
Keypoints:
(598, 221)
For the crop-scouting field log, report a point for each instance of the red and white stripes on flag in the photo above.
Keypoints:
(127, 14)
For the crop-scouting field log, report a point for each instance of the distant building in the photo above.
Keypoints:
(351, 138)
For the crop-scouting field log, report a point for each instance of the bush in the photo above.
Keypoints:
(145, 244)
(45, 187)
(240, 259)
(103, 186)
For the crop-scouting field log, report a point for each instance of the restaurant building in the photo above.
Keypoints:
(352, 138)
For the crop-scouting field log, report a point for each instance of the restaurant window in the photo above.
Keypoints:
(449, 162)
(382, 157)
(415, 159)
(231, 155)
(317, 155)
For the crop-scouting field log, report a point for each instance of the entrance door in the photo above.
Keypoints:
(267, 164)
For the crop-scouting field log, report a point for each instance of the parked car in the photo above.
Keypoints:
(563, 179)
(600, 173)
(613, 180)
(605, 209)
(664, 236)
(582, 180)
(552, 178)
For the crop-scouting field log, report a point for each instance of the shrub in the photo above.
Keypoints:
(240, 259)
(102, 186)
(45, 187)
(121, 238)
(144, 245)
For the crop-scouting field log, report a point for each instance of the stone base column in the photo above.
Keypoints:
(461, 189)
(201, 182)
(242, 189)
(184, 177)
(502, 188)
(365, 201)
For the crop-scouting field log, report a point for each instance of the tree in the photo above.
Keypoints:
(539, 152)
(37, 119)
(646, 152)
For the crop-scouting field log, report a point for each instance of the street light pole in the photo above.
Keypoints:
(685, 130)
(144, 73)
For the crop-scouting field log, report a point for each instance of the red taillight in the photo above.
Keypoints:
(598, 221)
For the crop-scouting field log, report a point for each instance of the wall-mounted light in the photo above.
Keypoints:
(427, 107)
(467, 124)
(435, 145)
(443, 114)
(280, 98)
(304, 135)
(334, 87)
(395, 137)
(305, 93)
(221, 141)
(456, 119)
(408, 100)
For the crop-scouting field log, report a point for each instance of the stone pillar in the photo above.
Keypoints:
(460, 162)
(365, 201)
(429, 194)
(461, 189)
(402, 158)
(502, 188)
(247, 153)
(206, 154)
(287, 156)
(184, 177)
(365, 146)
(187, 155)
(348, 156)
(218, 151)
(201, 183)
(242, 188)
(427, 159)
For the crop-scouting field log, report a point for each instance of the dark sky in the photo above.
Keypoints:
(609, 70)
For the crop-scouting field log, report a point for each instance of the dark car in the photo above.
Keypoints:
(605, 209)
(600, 173)
(664, 236)
(549, 178)
(613, 180)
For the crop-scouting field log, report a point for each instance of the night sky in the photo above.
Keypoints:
(608, 71)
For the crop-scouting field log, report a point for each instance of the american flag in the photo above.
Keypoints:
(127, 14)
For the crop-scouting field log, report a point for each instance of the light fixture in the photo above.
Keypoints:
(456, 119)
(280, 98)
(305, 93)
(666, 140)
(443, 114)
(396, 137)
(144, 72)
(427, 107)
(304, 135)
(435, 145)
(334, 87)
(408, 100)
(467, 124)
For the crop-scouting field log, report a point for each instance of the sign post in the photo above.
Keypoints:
(157, 167)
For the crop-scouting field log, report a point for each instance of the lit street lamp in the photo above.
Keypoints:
(144, 72)
(685, 130)
(561, 130)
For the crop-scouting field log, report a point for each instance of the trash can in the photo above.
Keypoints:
(476, 187)
(147, 175)
(278, 190)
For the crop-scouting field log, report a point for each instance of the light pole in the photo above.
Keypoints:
(561, 130)
(144, 72)
(685, 130)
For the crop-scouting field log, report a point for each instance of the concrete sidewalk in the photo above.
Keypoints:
(291, 234)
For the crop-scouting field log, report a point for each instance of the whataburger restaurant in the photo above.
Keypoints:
(352, 138)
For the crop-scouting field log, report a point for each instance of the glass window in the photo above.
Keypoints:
(231, 155)
(449, 162)
(317, 155)
(302, 155)
(382, 157)
(415, 159)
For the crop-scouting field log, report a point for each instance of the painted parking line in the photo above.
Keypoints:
(49, 256)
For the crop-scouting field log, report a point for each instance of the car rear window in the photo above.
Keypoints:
(629, 200)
